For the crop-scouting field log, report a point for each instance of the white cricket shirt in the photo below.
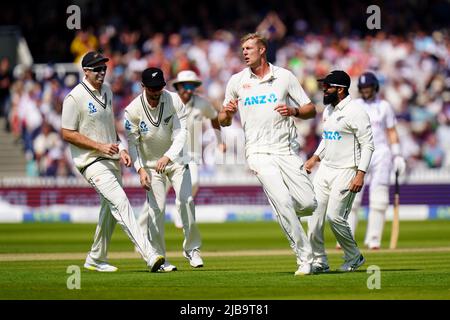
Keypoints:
(347, 140)
(197, 108)
(382, 117)
(89, 112)
(265, 130)
(155, 132)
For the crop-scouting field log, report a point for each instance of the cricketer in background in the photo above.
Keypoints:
(387, 154)
(262, 93)
(155, 123)
(88, 126)
(197, 109)
(344, 154)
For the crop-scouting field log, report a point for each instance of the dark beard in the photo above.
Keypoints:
(330, 99)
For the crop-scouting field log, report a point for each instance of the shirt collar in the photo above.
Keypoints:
(343, 103)
(267, 77)
(87, 83)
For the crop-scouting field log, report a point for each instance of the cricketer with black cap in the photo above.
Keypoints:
(88, 126)
(344, 154)
(155, 123)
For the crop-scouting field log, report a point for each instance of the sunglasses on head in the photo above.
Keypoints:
(188, 86)
(97, 69)
(326, 86)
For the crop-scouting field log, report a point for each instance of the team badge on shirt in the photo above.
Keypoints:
(127, 125)
(92, 108)
(143, 127)
(166, 120)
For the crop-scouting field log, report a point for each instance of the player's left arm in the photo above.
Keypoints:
(179, 133)
(360, 124)
(304, 108)
(394, 141)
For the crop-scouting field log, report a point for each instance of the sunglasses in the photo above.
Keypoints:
(97, 69)
(188, 86)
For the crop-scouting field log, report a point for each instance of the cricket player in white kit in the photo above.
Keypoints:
(387, 154)
(344, 154)
(88, 125)
(197, 109)
(261, 93)
(155, 122)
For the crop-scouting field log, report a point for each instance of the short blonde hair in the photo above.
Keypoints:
(259, 39)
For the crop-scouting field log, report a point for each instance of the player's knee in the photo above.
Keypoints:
(311, 205)
(335, 219)
(186, 199)
(307, 209)
(121, 202)
(379, 198)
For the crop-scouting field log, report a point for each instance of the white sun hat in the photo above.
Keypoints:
(187, 76)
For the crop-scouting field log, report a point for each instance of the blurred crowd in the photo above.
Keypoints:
(413, 69)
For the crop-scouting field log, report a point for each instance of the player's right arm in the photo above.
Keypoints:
(69, 130)
(316, 157)
(230, 105)
(225, 116)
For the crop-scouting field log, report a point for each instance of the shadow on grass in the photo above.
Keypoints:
(342, 272)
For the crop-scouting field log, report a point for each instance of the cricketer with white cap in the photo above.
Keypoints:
(344, 154)
(197, 109)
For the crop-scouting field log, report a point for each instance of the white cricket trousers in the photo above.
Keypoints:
(291, 195)
(334, 202)
(106, 178)
(193, 169)
(153, 215)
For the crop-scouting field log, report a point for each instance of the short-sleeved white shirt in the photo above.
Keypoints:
(89, 112)
(265, 130)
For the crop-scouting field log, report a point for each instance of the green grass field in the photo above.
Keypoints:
(242, 261)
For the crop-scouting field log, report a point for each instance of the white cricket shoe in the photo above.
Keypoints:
(100, 267)
(195, 260)
(303, 269)
(155, 262)
(167, 267)
(350, 266)
(320, 268)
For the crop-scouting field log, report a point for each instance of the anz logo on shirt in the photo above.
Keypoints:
(143, 127)
(92, 108)
(331, 135)
(259, 100)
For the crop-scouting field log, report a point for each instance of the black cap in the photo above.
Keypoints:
(337, 78)
(92, 58)
(153, 78)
